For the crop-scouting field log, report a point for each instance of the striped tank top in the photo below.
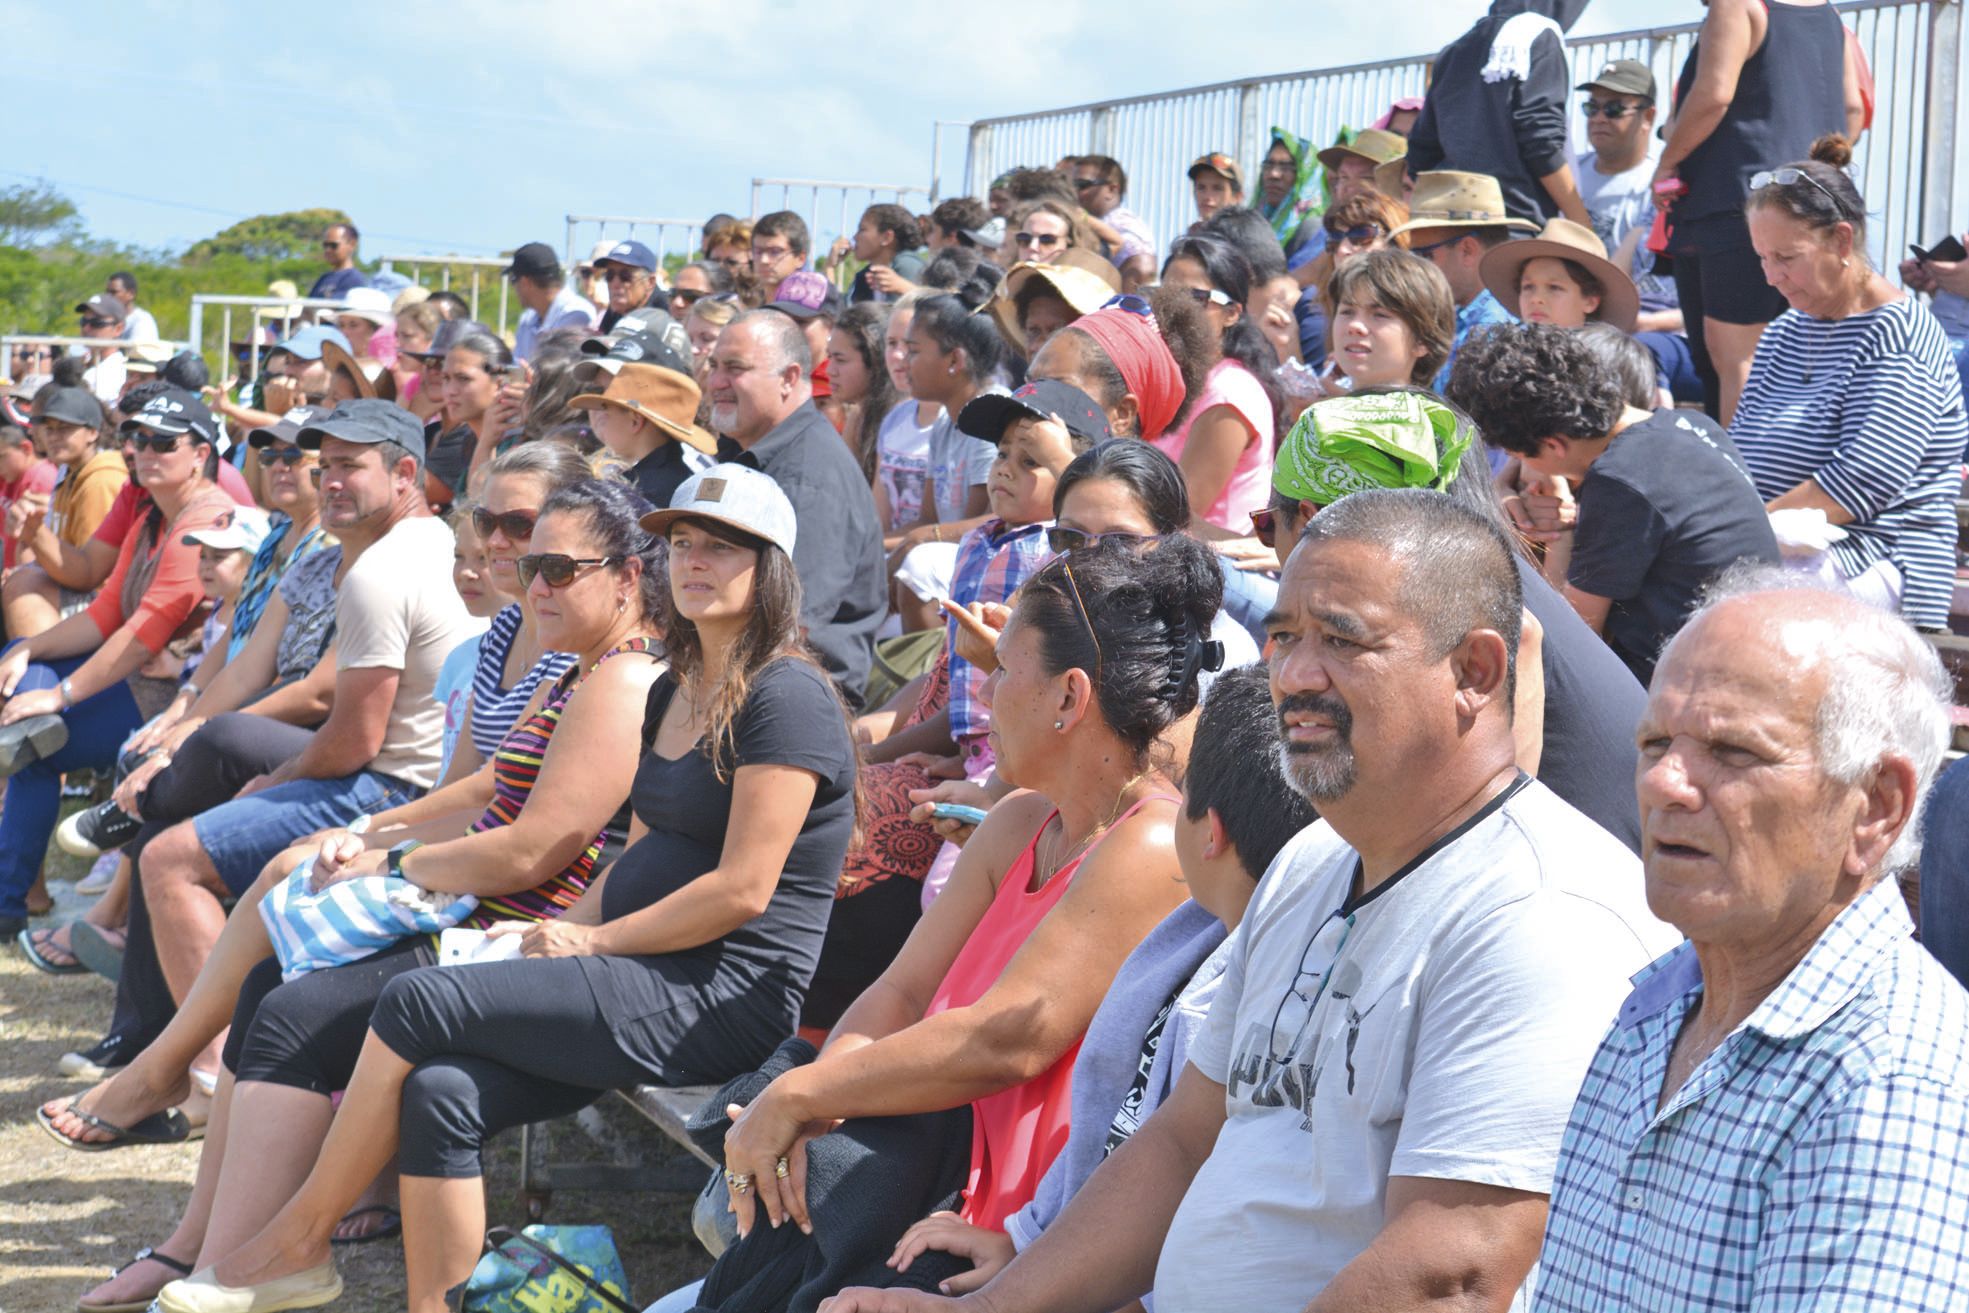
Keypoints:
(515, 768)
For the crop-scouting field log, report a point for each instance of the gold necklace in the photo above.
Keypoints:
(1052, 867)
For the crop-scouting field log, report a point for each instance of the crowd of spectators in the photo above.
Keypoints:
(1367, 753)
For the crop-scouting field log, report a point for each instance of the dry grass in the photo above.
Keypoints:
(66, 1218)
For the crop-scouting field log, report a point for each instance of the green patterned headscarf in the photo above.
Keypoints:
(1306, 196)
(1381, 440)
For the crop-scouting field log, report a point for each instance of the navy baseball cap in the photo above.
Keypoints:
(633, 254)
(368, 420)
(174, 411)
(988, 416)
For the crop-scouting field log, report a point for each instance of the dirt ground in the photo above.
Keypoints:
(67, 1218)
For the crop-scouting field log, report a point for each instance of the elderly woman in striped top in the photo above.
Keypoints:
(1854, 405)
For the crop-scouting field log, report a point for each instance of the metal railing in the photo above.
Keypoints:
(1905, 166)
(9, 340)
(678, 235)
(260, 311)
(478, 265)
(827, 199)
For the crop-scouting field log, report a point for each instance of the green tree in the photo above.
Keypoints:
(291, 236)
(35, 214)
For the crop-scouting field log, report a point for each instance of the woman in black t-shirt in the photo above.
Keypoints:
(684, 963)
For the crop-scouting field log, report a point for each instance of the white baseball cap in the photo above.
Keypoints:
(241, 529)
(737, 495)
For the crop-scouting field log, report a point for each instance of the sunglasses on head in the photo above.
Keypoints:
(288, 456)
(1210, 296)
(1133, 304)
(557, 568)
(516, 525)
(1062, 539)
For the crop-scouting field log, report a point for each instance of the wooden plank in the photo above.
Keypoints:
(668, 1108)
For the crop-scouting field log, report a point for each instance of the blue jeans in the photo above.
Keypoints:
(243, 835)
(1675, 365)
(1945, 871)
(1248, 597)
(97, 727)
(1960, 346)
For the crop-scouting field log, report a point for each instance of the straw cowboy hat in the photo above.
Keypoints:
(371, 379)
(664, 397)
(1445, 198)
(1388, 178)
(1375, 145)
(1073, 280)
(1563, 239)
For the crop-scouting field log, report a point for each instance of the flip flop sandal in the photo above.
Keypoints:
(95, 950)
(393, 1227)
(143, 1255)
(167, 1127)
(30, 943)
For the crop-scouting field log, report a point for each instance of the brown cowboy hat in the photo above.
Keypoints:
(1075, 281)
(1447, 198)
(371, 378)
(662, 396)
(1562, 239)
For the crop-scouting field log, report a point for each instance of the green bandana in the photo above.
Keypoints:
(1382, 440)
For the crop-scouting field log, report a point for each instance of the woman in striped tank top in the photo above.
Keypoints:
(558, 785)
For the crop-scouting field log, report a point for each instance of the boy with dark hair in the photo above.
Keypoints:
(1664, 502)
(1239, 813)
(780, 243)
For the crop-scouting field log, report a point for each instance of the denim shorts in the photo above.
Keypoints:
(243, 835)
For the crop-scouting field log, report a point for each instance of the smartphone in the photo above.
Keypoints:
(956, 811)
(1948, 249)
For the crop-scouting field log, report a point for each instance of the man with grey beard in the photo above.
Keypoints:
(763, 412)
(1371, 1116)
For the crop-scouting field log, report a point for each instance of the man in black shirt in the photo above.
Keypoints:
(762, 408)
(1664, 503)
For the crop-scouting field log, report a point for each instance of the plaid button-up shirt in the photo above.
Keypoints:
(992, 561)
(1818, 1159)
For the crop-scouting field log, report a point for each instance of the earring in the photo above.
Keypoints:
(1059, 724)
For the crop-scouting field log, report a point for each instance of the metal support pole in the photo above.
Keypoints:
(1248, 126)
(1944, 82)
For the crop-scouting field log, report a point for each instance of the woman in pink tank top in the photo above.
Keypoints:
(986, 1004)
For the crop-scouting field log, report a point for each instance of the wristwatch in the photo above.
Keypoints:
(399, 852)
(68, 694)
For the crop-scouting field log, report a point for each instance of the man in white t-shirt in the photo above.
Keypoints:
(1372, 1115)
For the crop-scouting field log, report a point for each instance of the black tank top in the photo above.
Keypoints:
(1791, 92)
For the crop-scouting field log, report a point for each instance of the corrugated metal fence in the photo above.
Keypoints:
(1905, 165)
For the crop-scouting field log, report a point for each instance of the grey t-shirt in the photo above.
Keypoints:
(1665, 509)
(1618, 203)
(958, 463)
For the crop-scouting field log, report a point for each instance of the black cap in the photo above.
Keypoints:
(1626, 77)
(367, 420)
(534, 260)
(286, 431)
(71, 405)
(174, 410)
(988, 416)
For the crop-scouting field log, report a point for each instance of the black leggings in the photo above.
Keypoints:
(211, 767)
(495, 1045)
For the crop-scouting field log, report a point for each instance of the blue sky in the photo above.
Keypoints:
(475, 126)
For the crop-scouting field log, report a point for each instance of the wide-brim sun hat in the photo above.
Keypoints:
(1562, 239)
(1083, 290)
(1449, 198)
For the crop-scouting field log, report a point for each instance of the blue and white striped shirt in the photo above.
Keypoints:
(1817, 1160)
(1870, 407)
(496, 708)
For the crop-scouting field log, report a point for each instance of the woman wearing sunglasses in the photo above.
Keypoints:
(951, 1073)
(524, 836)
(1852, 417)
(1224, 444)
(684, 963)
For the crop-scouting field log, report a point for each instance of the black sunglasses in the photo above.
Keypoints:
(1072, 540)
(1264, 527)
(1360, 234)
(97, 321)
(516, 525)
(1614, 110)
(1086, 184)
(154, 442)
(557, 568)
(288, 456)
(689, 296)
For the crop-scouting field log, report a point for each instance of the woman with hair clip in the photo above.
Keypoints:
(1852, 417)
(525, 844)
(858, 369)
(949, 1076)
(684, 963)
(1224, 444)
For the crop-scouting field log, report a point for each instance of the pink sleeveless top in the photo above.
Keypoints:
(1017, 1132)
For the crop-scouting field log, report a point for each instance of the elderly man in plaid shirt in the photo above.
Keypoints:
(1779, 1117)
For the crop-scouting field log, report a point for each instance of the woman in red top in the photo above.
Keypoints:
(987, 1001)
(72, 692)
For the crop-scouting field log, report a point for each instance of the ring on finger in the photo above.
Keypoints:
(779, 1169)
